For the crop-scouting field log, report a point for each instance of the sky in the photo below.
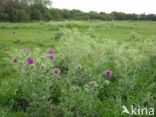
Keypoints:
(127, 6)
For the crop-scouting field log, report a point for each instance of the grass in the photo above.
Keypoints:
(125, 47)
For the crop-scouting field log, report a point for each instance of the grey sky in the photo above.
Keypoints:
(127, 6)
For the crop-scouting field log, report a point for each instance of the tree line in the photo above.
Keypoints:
(29, 10)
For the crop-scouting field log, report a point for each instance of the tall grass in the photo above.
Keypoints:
(83, 87)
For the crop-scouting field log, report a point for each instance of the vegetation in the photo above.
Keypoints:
(28, 10)
(99, 67)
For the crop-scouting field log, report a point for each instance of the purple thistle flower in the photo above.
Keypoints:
(13, 33)
(109, 73)
(57, 71)
(14, 60)
(53, 58)
(30, 61)
(50, 51)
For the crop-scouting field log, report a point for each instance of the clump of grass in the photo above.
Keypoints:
(134, 36)
(16, 27)
(53, 27)
(58, 35)
(91, 33)
(111, 24)
(42, 22)
(3, 27)
(69, 25)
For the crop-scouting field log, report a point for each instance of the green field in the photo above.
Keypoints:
(127, 48)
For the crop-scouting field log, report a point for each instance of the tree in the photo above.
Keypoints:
(3, 14)
(56, 14)
(24, 10)
(22, 16)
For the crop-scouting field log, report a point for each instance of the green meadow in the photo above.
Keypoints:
(85, 51)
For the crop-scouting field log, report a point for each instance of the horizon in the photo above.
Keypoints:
(129, 6)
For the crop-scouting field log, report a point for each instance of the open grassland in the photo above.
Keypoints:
(84, 51)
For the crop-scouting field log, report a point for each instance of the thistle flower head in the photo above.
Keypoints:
(57, 71)
(106, 82)
(76, 89)
(50, 51)
(93, 83)
(14, 60)
(30, 61)
(58, 77)
(53, 58)
(109, 73)
(79, 67)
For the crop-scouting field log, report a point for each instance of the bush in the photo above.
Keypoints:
(134, 37)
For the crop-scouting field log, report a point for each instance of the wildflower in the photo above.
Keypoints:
(79, 67)
(51, 87)
(53, 58)
(109, 73)
(50, 51)
(57, 71)
(13, 32)
(78, 90)
(14, 60)
(58, 77)
(21, 63)
(30, 61)
(26, 51)
(106, 82)
(42, 66)
(93, 83)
